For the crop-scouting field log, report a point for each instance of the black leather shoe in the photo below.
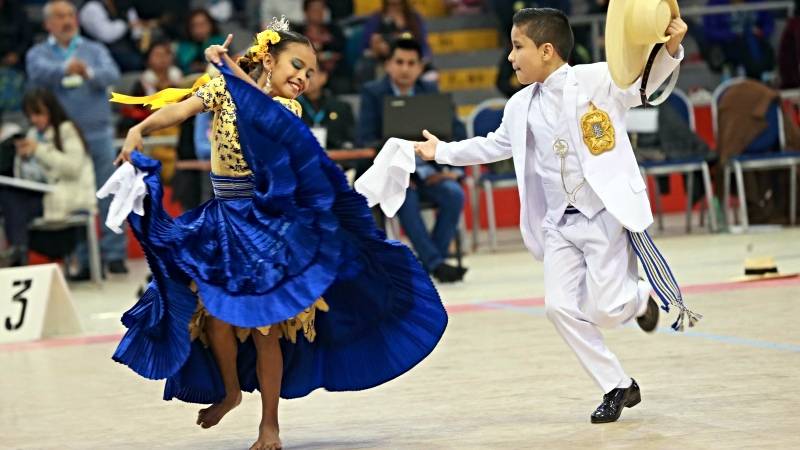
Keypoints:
(83, 274)
(446, 273)
(649, 320)
(117, 266)
(14, 257)
(615, 401)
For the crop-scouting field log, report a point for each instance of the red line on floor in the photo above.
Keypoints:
(488, 305)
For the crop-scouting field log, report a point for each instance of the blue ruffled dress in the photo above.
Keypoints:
(263, 251)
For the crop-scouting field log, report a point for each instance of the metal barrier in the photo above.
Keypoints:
(596, 20)
(150, 142)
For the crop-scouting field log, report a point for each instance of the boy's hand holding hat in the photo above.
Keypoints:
(633, 28)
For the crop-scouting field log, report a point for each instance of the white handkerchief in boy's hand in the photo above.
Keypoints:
(388, 178)
(127, 186)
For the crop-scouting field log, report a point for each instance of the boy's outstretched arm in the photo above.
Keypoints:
(478, 150)
(427, 149)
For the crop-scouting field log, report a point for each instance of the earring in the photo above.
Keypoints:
(268, 84)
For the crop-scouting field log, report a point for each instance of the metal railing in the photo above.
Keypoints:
(150, 142)
(595, 21)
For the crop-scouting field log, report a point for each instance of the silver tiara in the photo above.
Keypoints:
(281, 24)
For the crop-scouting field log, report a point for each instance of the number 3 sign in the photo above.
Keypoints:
(34, 303)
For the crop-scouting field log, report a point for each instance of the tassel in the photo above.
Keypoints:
(693, 318)
(678, 324)
(684, 314)
(161, 98)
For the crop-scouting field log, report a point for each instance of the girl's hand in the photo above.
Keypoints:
(214, 53)
(132, 141)
(25, 147)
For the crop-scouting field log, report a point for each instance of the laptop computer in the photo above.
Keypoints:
(406, 117)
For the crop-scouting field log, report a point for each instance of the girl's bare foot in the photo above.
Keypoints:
(267, 438)
(208, 417)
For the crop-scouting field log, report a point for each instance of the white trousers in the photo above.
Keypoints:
(591, 281)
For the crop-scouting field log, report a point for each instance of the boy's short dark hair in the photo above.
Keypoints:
(545, 25)
(405, 43)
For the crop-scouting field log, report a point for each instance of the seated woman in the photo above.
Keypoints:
(395, 19)
(201, 31)
(53, 152)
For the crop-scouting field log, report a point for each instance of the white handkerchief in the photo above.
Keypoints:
(127, 186)
(387, 180)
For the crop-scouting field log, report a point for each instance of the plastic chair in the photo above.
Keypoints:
(686, 166)
(759, 155)
(484, 119)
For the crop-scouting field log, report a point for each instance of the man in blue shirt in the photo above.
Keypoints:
(79, 72)
(431, 182)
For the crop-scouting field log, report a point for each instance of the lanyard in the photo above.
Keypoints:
(316, 116)
(66, 54)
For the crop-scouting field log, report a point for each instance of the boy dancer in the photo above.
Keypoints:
(584, 207)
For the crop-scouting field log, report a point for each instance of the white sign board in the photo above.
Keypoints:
(321, 133)
(34, 303)
(642, 120)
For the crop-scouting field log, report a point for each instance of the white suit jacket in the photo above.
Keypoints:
(613, 175)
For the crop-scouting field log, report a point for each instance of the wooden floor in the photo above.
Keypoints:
(500, 378)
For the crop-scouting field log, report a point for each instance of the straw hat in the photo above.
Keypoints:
(763, 268)
(633, 27)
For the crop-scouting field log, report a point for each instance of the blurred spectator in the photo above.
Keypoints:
(323, 110)
(340, 9)
(53, 152)
(165, 18)
(464, 6)
(106, 22)
(505, 9)
(329, 41)
(432, 182)
(739, 40)
(201, 32)
(161, 73)
(397, 18)
(192, 187)
(789, 52)
(15, 38)
(221, 10)
(79, 72)
(292, 9)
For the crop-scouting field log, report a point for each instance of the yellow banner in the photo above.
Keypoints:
(463, 40)
(467, 79)
(427, 8)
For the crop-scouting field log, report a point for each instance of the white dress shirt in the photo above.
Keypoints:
(545, 127)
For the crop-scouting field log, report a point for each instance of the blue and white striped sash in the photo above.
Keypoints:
(232, 187)
(661, 278)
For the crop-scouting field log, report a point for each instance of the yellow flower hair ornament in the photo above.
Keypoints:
(264, 39)
(268, 37)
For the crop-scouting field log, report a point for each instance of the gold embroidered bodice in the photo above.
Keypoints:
(226, 152)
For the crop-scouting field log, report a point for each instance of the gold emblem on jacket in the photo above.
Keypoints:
(598, 133)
